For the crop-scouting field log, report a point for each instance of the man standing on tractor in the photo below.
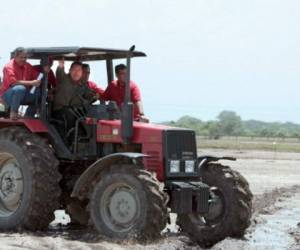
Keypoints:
(18, 79)
(116, 92)
(92, 85)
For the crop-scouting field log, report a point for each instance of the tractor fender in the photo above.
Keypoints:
(33, 125)
(204, 159)
(86, 178)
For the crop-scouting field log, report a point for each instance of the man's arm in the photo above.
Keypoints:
(97, 90)
(10, 74)
(137, 100)
(140, 108)
(106, 96)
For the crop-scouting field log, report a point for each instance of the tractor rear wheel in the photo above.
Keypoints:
(29, 190)
(128, 202)
(229, 211)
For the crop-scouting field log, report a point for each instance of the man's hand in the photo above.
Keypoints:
(35, 83)
(144, 119)
(61, 63)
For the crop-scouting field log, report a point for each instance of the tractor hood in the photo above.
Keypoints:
(110, 131)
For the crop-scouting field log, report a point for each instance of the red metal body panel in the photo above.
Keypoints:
(110, 131)
(34, 125)
(148, 135)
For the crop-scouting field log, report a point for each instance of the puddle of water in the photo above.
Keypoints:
(274, 234)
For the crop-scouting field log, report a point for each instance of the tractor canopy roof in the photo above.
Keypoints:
(79, 53)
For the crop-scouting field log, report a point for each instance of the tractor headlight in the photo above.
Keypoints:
(189, 166)
(174, 166)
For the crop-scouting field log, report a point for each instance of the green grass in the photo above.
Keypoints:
(246, 143)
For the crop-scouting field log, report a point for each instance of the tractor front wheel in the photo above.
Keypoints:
(128, 202)
(229, 211)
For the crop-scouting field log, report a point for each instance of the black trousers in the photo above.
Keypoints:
(66, 120)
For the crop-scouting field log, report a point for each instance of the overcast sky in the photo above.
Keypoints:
(203, 56)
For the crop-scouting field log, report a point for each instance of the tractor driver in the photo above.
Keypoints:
(116, 92)
(70, 93)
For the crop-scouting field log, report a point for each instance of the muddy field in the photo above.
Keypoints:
(275, 181)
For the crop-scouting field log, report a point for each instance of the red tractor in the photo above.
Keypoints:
(120, 176)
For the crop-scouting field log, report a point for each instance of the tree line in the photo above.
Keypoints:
(229, 123)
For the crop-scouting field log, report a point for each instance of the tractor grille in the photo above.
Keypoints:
(180, 144)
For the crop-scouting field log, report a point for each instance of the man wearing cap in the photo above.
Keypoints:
(18, 79)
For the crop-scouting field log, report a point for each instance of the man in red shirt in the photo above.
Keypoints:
(18, 79)
(46, 69)
(91, 85)
(116, 92)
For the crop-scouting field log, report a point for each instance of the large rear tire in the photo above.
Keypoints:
(128, 203)
(29, 190)
(229, 214)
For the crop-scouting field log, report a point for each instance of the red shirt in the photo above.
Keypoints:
(12, 73)
(93, 86)
(51, 77)
(116, 92)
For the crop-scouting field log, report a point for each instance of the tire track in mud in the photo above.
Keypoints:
(276, 206)
(264, 203)
(273, 224)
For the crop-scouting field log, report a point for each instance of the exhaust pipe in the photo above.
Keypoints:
(127, 108)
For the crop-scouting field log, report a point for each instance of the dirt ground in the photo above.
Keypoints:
(275, 182)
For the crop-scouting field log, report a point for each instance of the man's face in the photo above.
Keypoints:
(47, 68)
(76, 73)
(86, 74)
(21, 59)
(122, 75)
